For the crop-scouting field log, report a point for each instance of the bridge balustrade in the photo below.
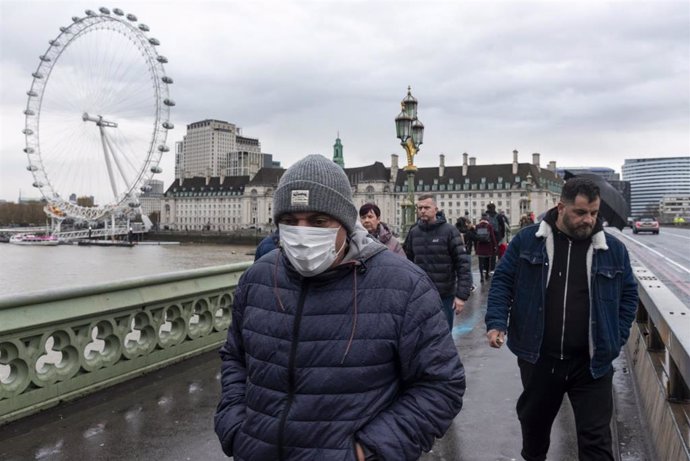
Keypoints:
(658, 353)
(62, 344)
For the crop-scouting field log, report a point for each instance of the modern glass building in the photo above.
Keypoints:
(651, 179)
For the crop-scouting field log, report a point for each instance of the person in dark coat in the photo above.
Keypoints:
(338, 349)
(436, 246)
(485, 247)
(462, 225)
(565, 294)
(267, 244)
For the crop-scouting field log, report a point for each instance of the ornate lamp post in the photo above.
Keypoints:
(410, 131)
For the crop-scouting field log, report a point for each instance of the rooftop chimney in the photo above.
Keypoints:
(473, 161)
(535, 160)
(394, 167)
(441, 165)
(515, 162)
(552, 165)
(464, 164)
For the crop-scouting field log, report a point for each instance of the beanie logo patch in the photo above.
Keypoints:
(299, 197)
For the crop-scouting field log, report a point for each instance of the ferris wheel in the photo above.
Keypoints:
(97, 115)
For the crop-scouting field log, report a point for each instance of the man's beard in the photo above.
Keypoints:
(580, 232)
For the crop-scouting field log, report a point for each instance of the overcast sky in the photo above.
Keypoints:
(582, 82)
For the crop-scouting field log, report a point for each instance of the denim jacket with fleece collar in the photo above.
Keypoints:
(518, 290)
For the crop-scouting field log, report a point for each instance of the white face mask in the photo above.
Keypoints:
(311, 250)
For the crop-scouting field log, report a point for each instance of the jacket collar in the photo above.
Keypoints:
(598, 238)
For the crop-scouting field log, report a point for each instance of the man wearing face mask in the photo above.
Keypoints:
(337, 349)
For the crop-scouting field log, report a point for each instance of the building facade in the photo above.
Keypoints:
(207, 147)
(672, 208)
(652, 179)
(240, 202)
(150, 199)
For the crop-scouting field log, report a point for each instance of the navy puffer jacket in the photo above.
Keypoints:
(438, 249)
(359, 353)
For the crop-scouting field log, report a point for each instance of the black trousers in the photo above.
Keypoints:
(544, 385)
(484, 267)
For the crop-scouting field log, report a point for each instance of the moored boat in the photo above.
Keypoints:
(32, 239)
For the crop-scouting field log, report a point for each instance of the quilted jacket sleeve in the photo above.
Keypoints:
(230, 413)
(433, 383)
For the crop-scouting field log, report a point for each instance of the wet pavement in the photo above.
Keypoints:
(168, 414)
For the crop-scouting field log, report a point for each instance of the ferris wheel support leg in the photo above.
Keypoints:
(107, 162)
(117, 162)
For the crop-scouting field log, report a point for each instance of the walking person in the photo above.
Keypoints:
(267, 244)
(370, 216)
(485, 247)
(499, 232)
(462, 225)
(568, 289)
(435, 245)
(338, 349)
(504, 226)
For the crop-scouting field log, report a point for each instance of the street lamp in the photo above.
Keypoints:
(410, 131)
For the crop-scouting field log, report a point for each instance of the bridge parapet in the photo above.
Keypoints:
(659, 355)
(62, 344)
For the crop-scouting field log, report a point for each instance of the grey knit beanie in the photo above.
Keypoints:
(316, 184)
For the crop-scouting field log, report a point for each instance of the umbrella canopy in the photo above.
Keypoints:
(614, 208)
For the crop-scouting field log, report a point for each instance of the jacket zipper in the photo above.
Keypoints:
(565, 294)
(291, 371)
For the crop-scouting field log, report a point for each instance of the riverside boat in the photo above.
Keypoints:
(32, 239)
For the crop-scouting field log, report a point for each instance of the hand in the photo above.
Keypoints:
(458, 305)
(360, 452)
(496, 338)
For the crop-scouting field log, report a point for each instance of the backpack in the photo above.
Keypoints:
(494, 222)
(483, 235)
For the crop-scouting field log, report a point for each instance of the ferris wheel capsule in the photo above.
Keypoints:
(104, 10)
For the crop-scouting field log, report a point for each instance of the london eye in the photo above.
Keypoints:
(97, 115)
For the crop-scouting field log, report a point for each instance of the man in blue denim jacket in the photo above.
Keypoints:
(565, 294)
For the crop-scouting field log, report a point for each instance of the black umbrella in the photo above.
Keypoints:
(614, 208)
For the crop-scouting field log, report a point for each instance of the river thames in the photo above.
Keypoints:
(25, 269)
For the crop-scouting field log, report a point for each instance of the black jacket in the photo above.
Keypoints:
(438, 249)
